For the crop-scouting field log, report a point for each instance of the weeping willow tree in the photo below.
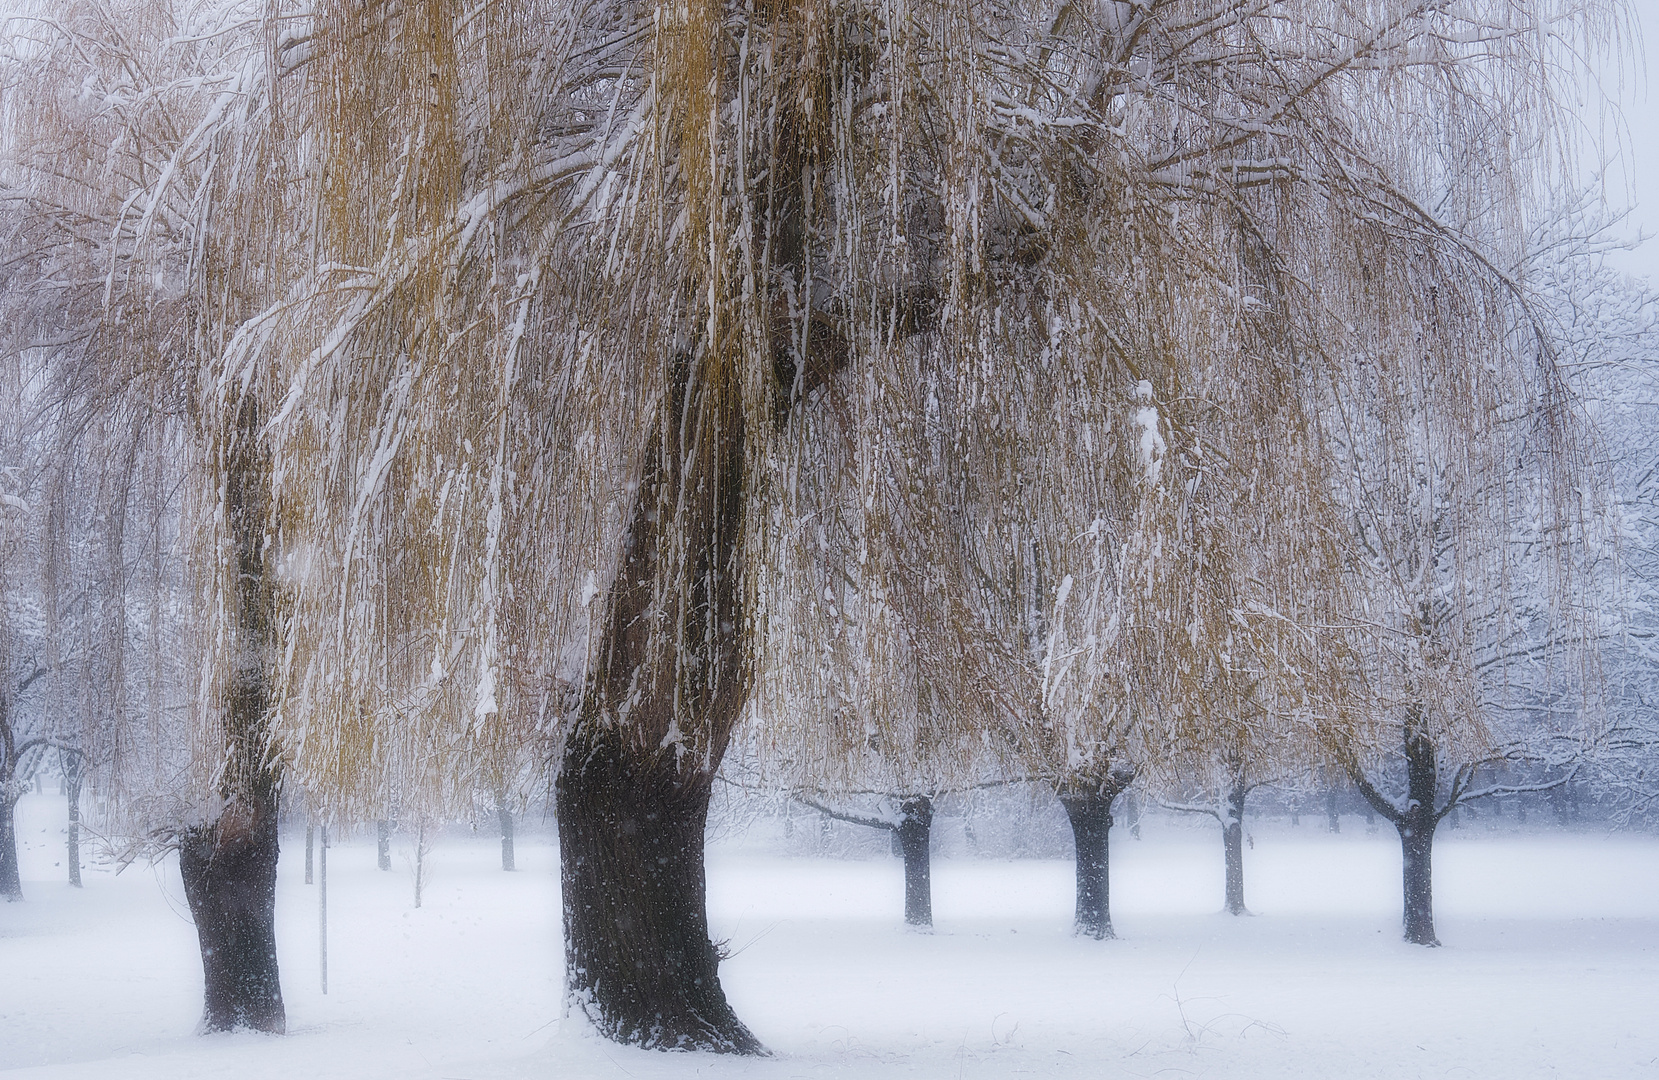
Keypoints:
(152, 222)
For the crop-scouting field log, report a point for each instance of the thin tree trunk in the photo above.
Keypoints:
(72, 844)
(1332, 818)
(914, 832)
(420, 860)
(505, 816)
(383, 844)
(310, 844)
(1091, 824)
(322, 909)
(1232, 845)
(1416, 824)
(11, 884)
(229, 864)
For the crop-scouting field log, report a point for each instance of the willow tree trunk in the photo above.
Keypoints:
(229, 871)
(229, 863)
(1415, 823)
(1416, 826)
(1232, 846)
(915, 830)
(637, 769)
(1088, 804)
(72, 792)
(1090, 814)
(1416, 851)
(11, 882)
(505, 815)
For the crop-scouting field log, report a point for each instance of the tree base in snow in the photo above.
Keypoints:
(229, 871)
(639, 964)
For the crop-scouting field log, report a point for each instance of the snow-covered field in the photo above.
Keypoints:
(1551, 967)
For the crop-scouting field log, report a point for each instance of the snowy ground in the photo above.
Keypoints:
(1551, 967)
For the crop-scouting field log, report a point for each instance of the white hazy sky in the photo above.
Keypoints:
(1633, 178)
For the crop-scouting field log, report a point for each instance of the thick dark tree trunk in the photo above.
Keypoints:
(914, 832)
(1232, 846)
(1416, 849)
(11, 883)
(229, 871)
(229, 864)
(505, 816)
(633, 787)
(1091, 823)
(1416, 826)
(638, 958)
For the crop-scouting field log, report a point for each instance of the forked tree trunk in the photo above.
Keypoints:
(1232, 846)
(1088, 806)
(1416, 824)
(914, 831)
(229, 864)
(634, 783)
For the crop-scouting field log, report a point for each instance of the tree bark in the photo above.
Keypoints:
(229, 871)
(383, 844)
(310, 846)
(1416, 827)
(914, 832)
(637, 768)
(1415, 823)
(1232, 846)
(11, 883)
(505, 816)
(1088, 807)
(72, 790)
(1091, 824)
(1416, 849)
(638, 959)
(229, 864)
